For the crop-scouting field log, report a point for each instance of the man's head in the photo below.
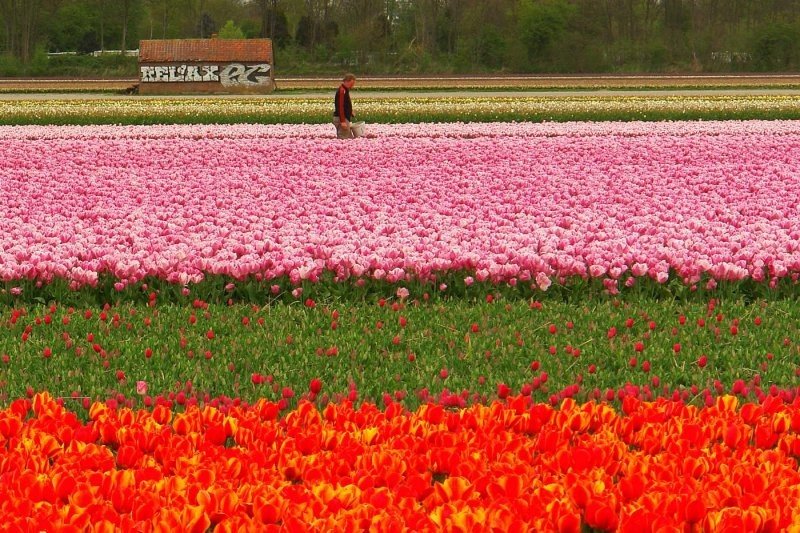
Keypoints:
(349, 80)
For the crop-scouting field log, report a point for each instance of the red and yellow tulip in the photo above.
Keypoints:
(511, 465)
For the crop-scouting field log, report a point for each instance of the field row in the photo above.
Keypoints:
(726, 467)
(443, 82)
(528, 204)
(398, 109)
(412, 349)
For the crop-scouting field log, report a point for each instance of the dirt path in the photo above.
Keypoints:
(534, 84)
(415, 94)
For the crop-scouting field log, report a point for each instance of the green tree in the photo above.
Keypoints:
(266, 18)
(481, 32)
(294, 10)
(776, 47)
(541, 24)
(74, 28)
(23, 21)
(231, 31)
(159, 16)
(363, 30)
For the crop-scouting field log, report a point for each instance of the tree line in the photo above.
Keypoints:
(402, 36)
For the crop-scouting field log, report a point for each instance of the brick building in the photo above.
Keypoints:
(206, 66)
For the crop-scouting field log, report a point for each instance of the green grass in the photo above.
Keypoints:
(370, 347)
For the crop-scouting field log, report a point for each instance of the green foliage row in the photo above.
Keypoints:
(446, 337)
(74, 66)
(412, 349)
(447, 286)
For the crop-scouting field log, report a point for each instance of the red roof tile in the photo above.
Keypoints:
(210, 50)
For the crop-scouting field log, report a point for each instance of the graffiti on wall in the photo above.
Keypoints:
(230, 75)
(238, 74)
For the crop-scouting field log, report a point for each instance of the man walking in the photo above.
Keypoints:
(343, 108)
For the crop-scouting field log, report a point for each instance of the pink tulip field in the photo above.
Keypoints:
(529, 203)
(576, 326)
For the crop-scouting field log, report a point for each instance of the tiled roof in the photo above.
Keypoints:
(211, 50)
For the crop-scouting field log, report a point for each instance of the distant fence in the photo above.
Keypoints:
(98, 53)
(731, 57)
(129, 53)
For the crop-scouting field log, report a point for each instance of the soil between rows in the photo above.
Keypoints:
(446, 82)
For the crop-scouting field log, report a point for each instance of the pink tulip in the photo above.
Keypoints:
(543, 201)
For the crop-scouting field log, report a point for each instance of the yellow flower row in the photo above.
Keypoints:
(395, 109)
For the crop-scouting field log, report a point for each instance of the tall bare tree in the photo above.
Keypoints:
(22, 22)
(318, 13)
(126, 5)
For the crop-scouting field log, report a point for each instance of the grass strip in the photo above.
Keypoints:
(455, 351)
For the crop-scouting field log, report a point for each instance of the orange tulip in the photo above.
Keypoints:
(267, 511)
(632, 487)
(600, 516)
(194, 519)
(655, 466)
(569, 523)
(161, 414)
(638, 521)
(104, 526)
(144, 506)
(10, 426)
(167, 521)
(580, 492)
(453, 489)
(695, 510)
(765, 437)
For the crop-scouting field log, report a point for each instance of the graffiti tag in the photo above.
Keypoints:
(238, 74)
(233, 74)
(179, 73)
